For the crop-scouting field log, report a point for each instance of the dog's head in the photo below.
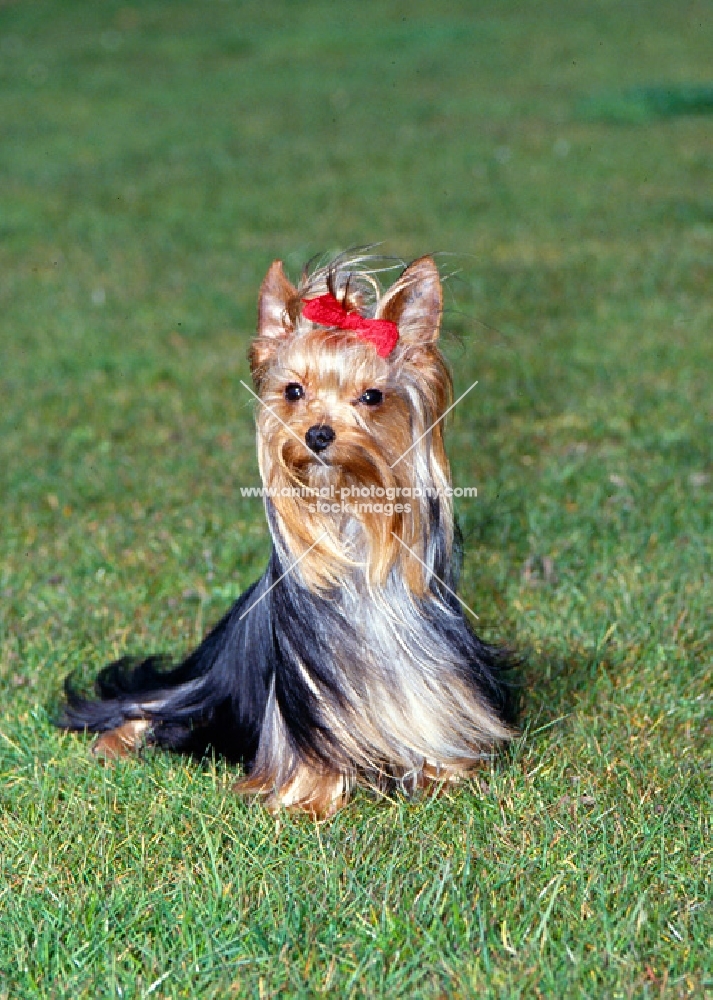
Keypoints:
(352, 388)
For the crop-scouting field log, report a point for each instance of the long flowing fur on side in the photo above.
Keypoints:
(282, 637)
(351, 659)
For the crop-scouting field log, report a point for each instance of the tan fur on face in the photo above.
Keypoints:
(335, 368)
(334, 372)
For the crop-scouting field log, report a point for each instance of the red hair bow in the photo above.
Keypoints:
(328, 311)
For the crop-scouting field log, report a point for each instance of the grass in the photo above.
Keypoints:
(154, 160)
(641, 104)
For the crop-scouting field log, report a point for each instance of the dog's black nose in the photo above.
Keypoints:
(319, 437)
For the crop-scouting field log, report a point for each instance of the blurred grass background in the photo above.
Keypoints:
(154, 159)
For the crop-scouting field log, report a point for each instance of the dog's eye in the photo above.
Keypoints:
(372, 397)
(293, 392)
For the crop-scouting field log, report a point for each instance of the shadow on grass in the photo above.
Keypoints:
(556, 686)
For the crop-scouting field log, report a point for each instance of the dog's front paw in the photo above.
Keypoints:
(320, 794)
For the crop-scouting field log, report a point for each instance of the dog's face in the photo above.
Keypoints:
(336, 415)
(333, 411)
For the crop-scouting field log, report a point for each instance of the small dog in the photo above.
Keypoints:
(351, 659)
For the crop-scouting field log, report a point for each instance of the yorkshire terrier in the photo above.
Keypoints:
(351, 659)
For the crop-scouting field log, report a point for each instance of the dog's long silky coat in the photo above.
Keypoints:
(350, 659)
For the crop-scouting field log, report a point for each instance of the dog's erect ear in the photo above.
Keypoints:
(415, 302)
(276, 303)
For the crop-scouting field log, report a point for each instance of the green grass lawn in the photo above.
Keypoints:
(154, 159)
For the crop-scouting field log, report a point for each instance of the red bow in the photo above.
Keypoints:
(328, 311)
